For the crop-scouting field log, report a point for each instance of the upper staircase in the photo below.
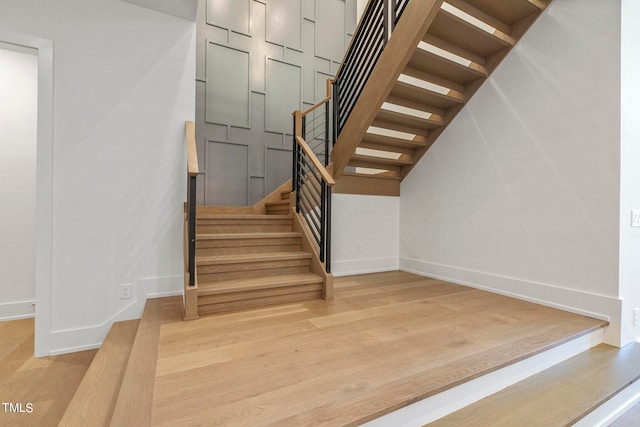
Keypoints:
(437, 56)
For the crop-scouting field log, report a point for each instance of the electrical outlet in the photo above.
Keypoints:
(125, 291)
(635, 218)
(636, 316)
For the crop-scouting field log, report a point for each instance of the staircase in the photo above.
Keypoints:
(253, 256)
(410, 68)
(436, 58)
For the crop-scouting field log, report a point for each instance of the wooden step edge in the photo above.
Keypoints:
(247, 236)
(249, 258)
(452, 96)
(480, 71)
(135, 399)
(419, 124)
(268, 282)
(471, 10)
(243, 217)
(371, 176)
(278, 203)
(456, 50)
(386, 148)
(577, 387)
(381, 139)
(380, 160)
(436, 113)
(95, 398)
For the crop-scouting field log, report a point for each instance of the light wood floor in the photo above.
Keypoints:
(386, 340)
(47, 383)
(629, 419)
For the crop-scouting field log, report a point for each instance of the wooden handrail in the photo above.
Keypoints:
(316, 163)
(321, 103)
(192, 152)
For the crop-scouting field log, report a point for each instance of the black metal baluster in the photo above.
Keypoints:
(191, 233)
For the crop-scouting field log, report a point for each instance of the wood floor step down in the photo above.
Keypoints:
(95, 399)
(560, 395)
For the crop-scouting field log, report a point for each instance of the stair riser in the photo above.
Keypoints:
(251, 265)
(240, 250)
(263, 293)
(277, 211)
(274, 227)
(247, 274)
(259, 302)
(205, 243)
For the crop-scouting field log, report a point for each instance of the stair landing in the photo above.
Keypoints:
(386, 341)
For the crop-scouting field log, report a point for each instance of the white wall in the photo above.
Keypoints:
(18, 138)
(520, 194)
(630, 171)
(123, 85)
(365, 234)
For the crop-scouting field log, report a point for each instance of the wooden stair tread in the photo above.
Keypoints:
(242, 258)
(444, 68)
(364, 175)
(409, 121)
(94, 400)
(452, 29)
(242, 236)
(560, 395)
(381, 161)
(244, 217)
(509, 13)
(393, 142)
(256, 283)
(425, 96)
(134, 404)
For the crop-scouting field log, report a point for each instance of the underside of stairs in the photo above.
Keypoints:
(250, 257)
(437, 57)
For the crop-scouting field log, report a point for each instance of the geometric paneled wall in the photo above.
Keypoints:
(257, 61)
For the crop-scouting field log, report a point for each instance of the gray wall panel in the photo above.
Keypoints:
(331, 15)
(284, 92)
(231, 14)
(284, 23)
(248, 84)
(227, 173)
(276, 174)
(227, 94)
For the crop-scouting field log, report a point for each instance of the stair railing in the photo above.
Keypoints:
(192, 174)
(311, 181)
(370, 38)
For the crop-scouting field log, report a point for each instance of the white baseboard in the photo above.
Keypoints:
(575, 301)
(17, 310)
(456, 398)
(363, 266)
(90, 337)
